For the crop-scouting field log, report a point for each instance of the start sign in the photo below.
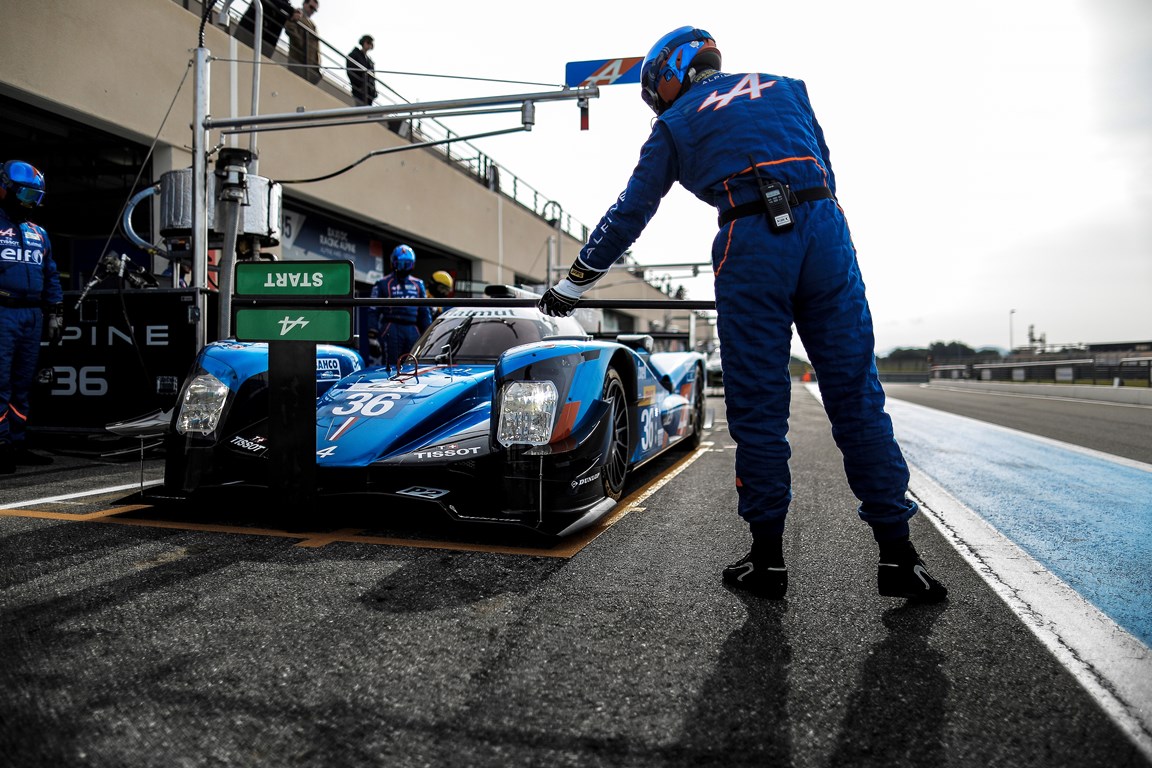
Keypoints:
(293, 278)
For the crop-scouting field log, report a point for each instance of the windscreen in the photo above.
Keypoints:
(482, 335)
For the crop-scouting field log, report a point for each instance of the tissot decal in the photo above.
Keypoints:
(448, 451)
(248, 445)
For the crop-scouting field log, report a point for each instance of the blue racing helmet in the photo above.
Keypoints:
(22, 182)
(403, 258)
(668, 67)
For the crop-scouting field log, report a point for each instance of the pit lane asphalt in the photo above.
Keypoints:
(132, 645)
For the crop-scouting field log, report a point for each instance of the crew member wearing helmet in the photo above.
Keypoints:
(392, 330)
(441, 287)
(750, 145)
(29, 293)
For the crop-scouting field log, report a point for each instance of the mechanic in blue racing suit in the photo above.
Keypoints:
(741, 142)
(29, 292)
(393, 330)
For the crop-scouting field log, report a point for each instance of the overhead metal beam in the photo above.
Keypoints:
(398, 111)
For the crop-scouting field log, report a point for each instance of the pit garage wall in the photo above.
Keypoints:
(116, 66)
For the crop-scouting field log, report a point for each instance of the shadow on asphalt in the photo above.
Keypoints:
(896, 713)
(742, 708)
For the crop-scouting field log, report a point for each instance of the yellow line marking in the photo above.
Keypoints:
(321, 539)
(566, 549)
(675, 469)
(86, 516)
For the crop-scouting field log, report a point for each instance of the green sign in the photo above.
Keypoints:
(293, 324)
(294, 278)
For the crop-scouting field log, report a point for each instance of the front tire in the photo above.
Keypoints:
(615, 470)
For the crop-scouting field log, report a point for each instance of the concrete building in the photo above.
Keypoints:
(100, 98)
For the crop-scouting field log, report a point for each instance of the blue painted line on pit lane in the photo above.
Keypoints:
(1085, 516)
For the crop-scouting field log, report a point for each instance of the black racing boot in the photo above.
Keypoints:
(7, 459)
(762, 571)
(902, 573)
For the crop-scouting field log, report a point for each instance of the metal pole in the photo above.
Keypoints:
(257, 48)
(200, 193)
(224, 275)
(548, 266)
(559, 262)
(554, 262)
(233, 51)
(499, 237)
(406, 111)
(1010, 346)
(364, 301)
(232, 193)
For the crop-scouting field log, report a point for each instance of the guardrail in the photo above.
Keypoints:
(1109, 394)
(1130, 371)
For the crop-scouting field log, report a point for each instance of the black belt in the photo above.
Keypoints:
(756, 207)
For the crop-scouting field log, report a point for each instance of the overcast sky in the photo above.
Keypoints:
(991, 156)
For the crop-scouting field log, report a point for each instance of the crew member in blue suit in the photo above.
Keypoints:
(392, 330)
(29, 293)
(750, 145)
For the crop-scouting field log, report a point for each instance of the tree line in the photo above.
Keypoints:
(939, 353)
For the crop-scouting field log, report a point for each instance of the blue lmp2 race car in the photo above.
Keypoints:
(503, 414)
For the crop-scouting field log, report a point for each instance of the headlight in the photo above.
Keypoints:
(204, 400)
(527, 413)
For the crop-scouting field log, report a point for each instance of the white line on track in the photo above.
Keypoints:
(1112, 665)
(81, 494)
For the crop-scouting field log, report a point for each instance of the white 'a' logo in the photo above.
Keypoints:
(748, 86)
(287, 324)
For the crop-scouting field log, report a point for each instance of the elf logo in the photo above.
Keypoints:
(22, 255)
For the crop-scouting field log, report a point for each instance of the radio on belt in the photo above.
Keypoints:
(775, 197)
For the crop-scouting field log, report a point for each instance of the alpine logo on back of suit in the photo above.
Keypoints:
(749, 86)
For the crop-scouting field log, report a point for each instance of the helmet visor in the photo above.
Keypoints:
(29, 197)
